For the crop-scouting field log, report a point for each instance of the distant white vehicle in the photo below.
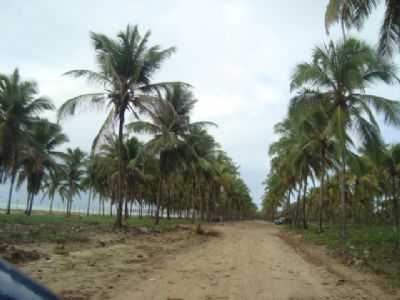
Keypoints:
(280, 221)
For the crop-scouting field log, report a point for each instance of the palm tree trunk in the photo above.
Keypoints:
(288, 207)
(201, 203)
(321, 191)
(159, 201)
(101, 204)
(69, 207)
(396, 213)
(305, 226)
(68, 201)
(28, 199)
(13, 175)
(193, 201)
(51, 205)
(89, 200)
(140, 209)
(31, 204)
(126, 210)
(321, 202)
(208, 199)
(211, 204)
(296, 219)
(343, 198)
(168, 201)
(120, 175)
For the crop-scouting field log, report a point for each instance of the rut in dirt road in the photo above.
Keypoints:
(250, 262)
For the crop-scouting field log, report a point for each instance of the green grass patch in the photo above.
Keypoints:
(370, 248)
(18, 228)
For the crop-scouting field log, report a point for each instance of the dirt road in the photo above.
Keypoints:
(248, 262)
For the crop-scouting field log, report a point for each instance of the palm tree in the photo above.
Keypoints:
(201, 165)
(391, 162)
(51, 184)
(19, 109)
(40, 156)
(290, 153)
(107, 163)
(319, 142)
(72, 176)
(90, 179)
(127, 65)
(353, 13)
(336, 79)
(169, 123)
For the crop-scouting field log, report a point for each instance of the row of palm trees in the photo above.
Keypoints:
(330, 162)
(29, 144)
(180, 168)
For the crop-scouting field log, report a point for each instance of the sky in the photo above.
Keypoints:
(237, 54)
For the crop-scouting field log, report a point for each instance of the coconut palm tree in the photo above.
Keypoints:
(353, 13)
(320, 143)
(164, 142)
(201, 166)
(337, 78)
(127, 65)
(107, 164)
(391, 163)
(169, 124)
(51, 185)
(39, 156)
(19, 108)
(283, 176)
(90, 179)
(72, 176)
(293, 152)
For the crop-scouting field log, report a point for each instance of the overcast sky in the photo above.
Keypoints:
(238, 55)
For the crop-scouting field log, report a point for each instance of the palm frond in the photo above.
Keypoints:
(368, 133)
(332, 13)
(389, 108)
(90, 76)
(85, 101)
(390, 31)
(143, 127)
(39, 105)
(106, 129)
(159, 87)
(202, 125)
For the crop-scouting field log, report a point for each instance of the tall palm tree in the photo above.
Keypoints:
(40, 156)
(391, 161)
(127, 65)
(201, 165)
(337, 78)
(72, 176)
(51, 184)
(353, 13)
(169, 123)
(107, 163)
(290, 153)
(19, 109)
(90, 179)
(319, 142)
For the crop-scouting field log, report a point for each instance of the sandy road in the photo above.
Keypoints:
(248, 262)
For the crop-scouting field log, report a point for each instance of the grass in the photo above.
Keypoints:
(370, 248)
(18, 228)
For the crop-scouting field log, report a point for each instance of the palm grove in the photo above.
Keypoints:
(179, 171)
(330, 163)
